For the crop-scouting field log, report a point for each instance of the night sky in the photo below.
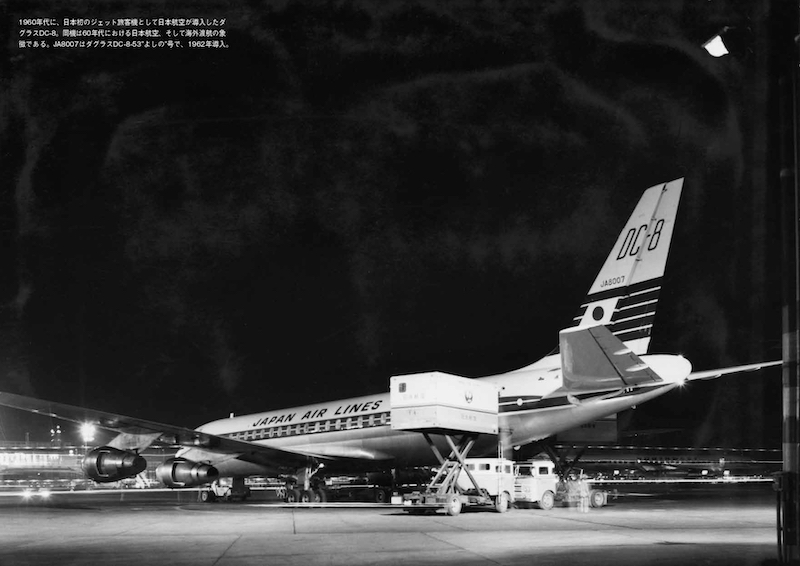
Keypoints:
(355, 190)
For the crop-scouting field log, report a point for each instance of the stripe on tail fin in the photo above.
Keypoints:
(625, 294)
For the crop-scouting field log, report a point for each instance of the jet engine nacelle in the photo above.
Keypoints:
(180, 472)
(107, 464)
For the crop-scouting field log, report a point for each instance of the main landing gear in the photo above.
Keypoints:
(303, 492)
(295, 495)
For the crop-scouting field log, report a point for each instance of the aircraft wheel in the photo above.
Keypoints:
(453, 505)
(292, 495)
(380, 496)
(306, 496)
(597, 498)
(207, 496)
(501, 502)
(320, 496)
(547, 501)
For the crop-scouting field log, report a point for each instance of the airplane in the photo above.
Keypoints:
(600, 367)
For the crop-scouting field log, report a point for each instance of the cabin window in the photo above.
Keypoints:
(544, 470)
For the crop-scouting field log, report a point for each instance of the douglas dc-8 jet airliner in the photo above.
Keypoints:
(601, 367)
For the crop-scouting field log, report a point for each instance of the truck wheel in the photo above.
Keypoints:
(501, 502)
(453, 505)
(207, 496)
(320, 496)
(597, 498)
(547, 500)
(380, 496)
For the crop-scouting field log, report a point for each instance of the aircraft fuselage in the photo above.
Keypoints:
(358, 431)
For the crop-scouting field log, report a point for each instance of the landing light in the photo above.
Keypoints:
(27, 494)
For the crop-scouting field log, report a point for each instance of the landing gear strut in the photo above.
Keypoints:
(303, 492)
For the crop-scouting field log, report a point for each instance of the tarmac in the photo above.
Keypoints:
(728, 526)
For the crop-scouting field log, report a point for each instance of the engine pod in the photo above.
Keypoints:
(107, 464)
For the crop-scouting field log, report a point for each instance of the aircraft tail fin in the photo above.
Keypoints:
(625, 293)
(593, 358)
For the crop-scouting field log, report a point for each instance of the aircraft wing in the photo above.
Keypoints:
(138, 433)
(714, 373)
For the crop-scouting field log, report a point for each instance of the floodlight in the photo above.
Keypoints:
(716, 46)
(87, 432)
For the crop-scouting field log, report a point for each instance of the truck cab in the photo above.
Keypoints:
(535, 484)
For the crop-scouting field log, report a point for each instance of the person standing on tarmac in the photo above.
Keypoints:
(583, 493)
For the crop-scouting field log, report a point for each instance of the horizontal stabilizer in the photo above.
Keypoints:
(715, 373)
(593, 358)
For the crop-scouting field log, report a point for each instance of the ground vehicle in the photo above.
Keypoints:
(229, 489)
(374, 487)
(569, 491)
(453, 487)
(495, 476)
(536, 484)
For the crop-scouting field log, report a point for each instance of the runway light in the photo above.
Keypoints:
(44, 493)
(27, 494)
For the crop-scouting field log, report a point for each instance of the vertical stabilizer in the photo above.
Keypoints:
(625, 294)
